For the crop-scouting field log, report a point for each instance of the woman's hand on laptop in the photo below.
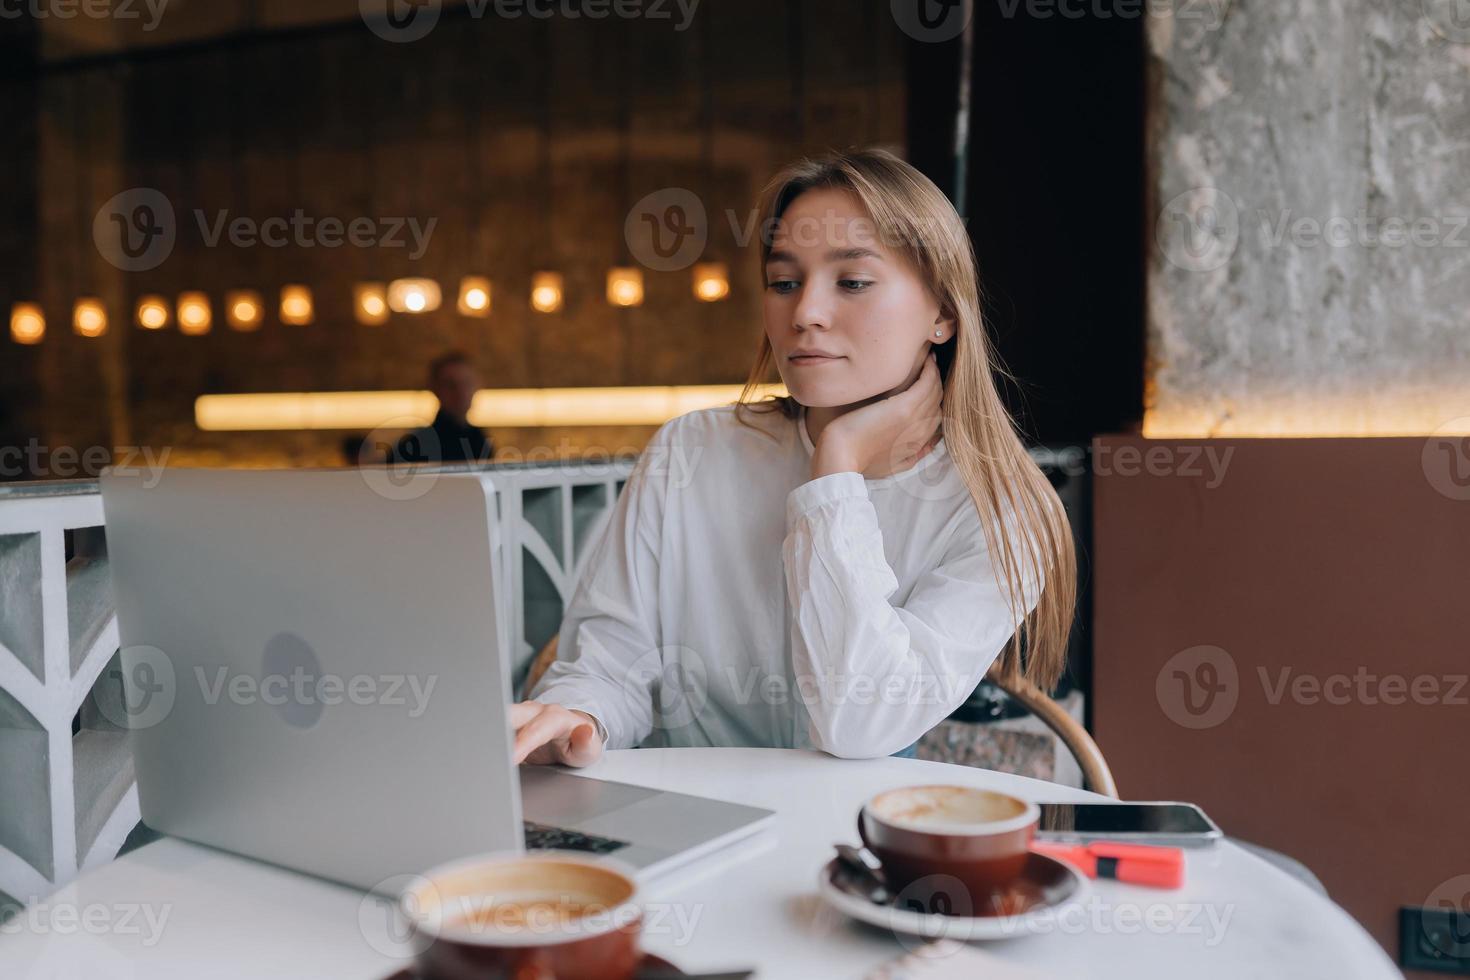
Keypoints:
(547, 733)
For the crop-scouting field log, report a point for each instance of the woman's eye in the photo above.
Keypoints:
(781, 285)
(854, 285)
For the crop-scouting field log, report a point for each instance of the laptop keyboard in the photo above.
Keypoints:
(540, 837)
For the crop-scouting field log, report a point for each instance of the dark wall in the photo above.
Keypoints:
(1055, 205)
(19, 392)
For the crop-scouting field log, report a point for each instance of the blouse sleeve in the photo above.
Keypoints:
(607, 654)
(876, 675)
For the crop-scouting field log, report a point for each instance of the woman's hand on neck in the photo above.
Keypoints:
(883, 435)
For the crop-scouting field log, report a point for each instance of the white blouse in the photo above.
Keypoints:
(733, 600)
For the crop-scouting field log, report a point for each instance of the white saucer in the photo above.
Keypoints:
(1048, 888)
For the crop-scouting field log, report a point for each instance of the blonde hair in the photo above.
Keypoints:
(1025, 526)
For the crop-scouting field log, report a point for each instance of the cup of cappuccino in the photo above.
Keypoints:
(550, 914)
(949, 848)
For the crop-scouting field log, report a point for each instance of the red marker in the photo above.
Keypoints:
(1137, 864)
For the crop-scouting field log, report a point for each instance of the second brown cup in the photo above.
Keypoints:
(949, 849)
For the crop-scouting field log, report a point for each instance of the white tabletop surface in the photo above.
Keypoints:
(176, 910)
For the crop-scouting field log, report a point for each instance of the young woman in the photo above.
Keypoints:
(839, 568)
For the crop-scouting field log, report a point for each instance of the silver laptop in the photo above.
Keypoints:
(317, 676)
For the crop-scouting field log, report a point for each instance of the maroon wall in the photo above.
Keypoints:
(1344, 563)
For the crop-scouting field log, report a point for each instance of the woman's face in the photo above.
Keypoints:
(833, 290)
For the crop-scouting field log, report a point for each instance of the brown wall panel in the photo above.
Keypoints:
(1260, 606)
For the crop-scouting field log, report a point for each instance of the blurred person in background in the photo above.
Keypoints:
(450, 438)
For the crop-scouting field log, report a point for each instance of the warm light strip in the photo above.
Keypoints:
(500, 408)
(1431, 410)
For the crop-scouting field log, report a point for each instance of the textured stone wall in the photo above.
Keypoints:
(1309, 271)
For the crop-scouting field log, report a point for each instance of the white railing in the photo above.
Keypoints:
(68, 800)
(58, 634)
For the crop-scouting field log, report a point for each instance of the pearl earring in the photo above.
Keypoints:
(939, 333)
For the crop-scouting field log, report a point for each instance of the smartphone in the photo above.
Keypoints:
(1179, 824)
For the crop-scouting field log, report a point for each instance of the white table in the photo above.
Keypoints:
(756, 905)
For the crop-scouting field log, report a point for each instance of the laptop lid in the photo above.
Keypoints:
(314, 675)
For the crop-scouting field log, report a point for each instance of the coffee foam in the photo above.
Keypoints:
(529, 898)
(942, 807)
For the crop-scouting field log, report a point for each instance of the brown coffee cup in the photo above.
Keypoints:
(518, 916)
(949, 849)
